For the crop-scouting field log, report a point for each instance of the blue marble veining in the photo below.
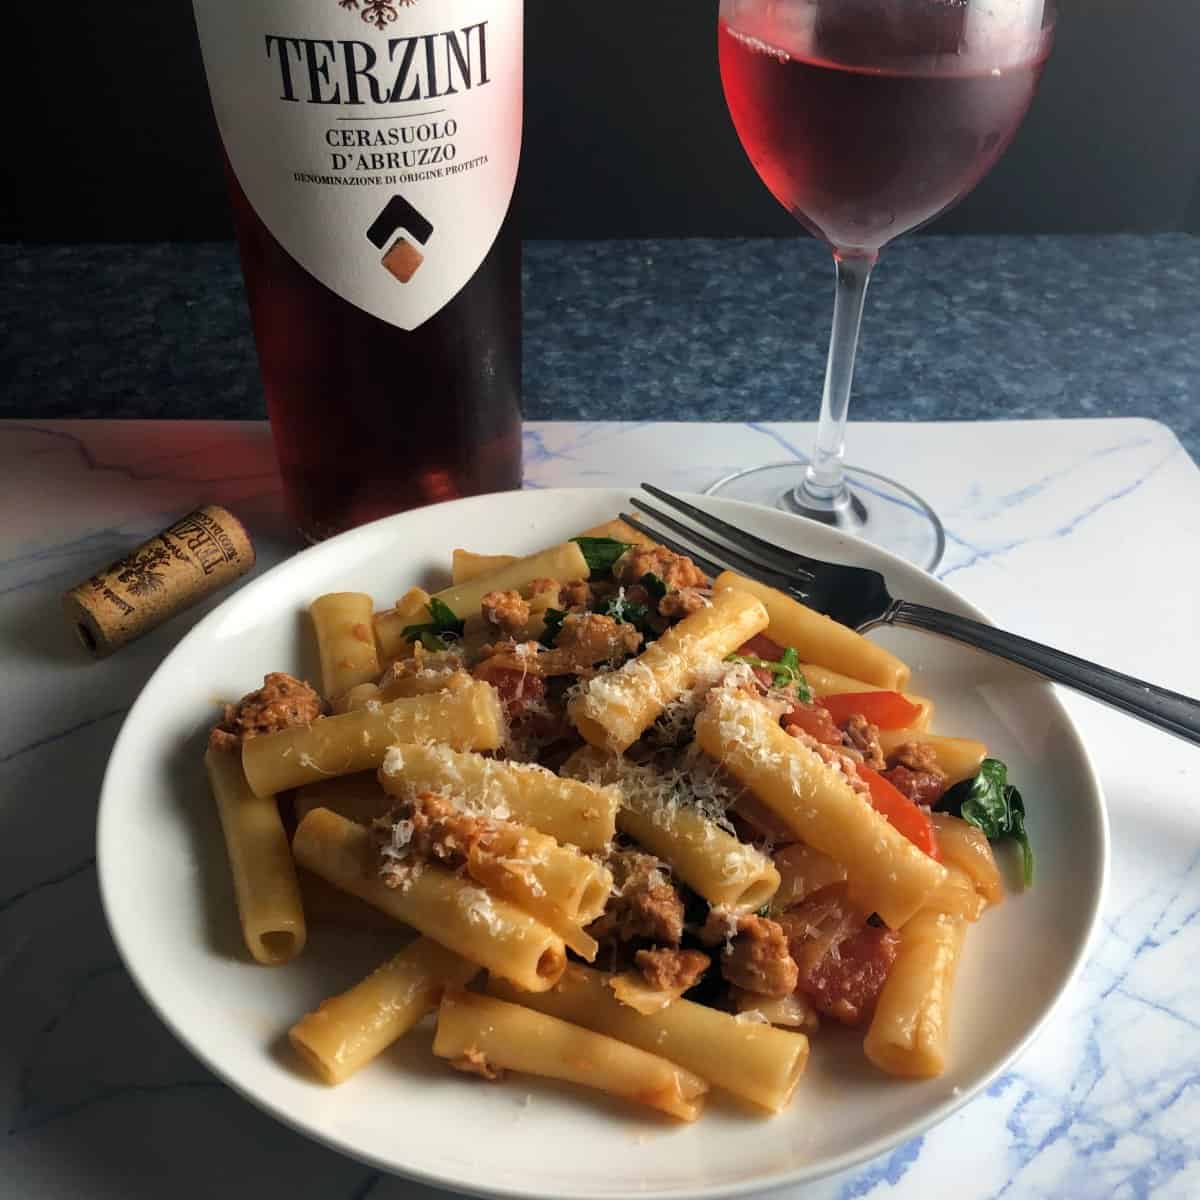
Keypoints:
(97, 1098)
(956, 328)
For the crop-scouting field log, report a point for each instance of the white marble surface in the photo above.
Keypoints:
(1081, 534)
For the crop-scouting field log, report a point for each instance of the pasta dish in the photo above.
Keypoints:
(635, 829)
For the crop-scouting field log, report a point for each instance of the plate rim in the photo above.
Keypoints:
(792, 1176)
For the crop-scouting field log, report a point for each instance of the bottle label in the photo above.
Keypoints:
(377, 140)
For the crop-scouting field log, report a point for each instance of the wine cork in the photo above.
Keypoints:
(177, 568)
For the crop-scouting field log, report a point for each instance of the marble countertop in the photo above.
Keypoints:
(1082, 534)
(957, 328)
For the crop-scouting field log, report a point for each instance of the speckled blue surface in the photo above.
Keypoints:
(956, 328)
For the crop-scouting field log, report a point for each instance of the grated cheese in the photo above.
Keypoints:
(310, 764)
(751, 1016)
(477, 904)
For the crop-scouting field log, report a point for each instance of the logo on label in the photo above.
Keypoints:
(402, 258)
(142, 571)
(353, 140)
(379, 13)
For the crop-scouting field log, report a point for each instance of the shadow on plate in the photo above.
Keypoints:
(194, 803)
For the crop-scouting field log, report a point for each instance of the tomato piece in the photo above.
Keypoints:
(518, 689)
(901, 812)
(843, 962)
(763, 676)
(846, 986)
(886, 710)
(814, 720)
(761, 646)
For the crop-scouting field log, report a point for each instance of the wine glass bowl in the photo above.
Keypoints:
(867, 119)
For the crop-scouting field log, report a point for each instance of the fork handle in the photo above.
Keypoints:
(1168, 710)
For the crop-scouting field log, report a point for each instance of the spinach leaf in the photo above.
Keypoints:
(628, 611)
(554, 618)
(789, 661)
(443, 621)
(783, 672)
(655, 585)
(992, 804)
(443, 616)
(601, 553)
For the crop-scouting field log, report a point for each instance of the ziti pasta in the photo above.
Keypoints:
(727, 803)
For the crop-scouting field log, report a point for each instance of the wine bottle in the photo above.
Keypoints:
(371, 149)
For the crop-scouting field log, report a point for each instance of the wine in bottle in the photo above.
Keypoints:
(371, 149)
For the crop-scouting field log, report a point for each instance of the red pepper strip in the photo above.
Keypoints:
(901, 812)
(886, 710)
(761, 646)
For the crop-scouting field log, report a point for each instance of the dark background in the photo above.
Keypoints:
(626, 130)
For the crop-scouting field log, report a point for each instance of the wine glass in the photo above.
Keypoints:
(866, 119)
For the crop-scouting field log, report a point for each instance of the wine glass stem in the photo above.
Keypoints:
(824, 483)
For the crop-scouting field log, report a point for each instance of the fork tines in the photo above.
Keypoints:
(771, 555)
(769, 564)
(705, 564)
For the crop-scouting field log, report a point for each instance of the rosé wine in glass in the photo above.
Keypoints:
(866, 119)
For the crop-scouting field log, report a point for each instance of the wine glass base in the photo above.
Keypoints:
(876, 509)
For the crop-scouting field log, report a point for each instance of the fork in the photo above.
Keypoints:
(859, 598)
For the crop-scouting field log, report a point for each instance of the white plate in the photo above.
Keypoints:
(166, 892)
